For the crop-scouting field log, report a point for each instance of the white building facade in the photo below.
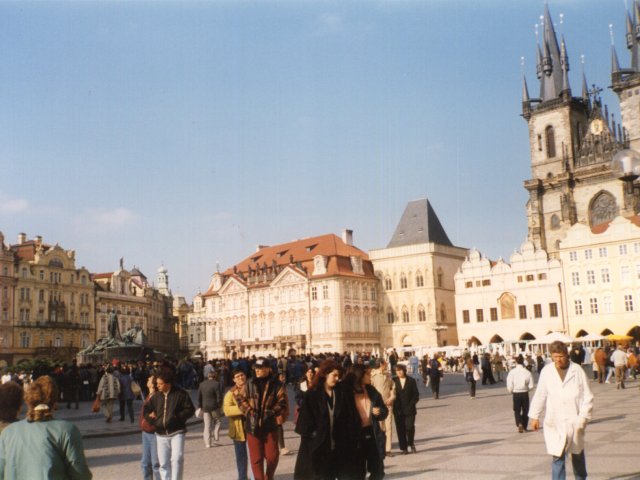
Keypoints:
(519, 300)
(318, 294)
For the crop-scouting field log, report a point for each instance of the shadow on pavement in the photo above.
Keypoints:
(606, 419)
(109, 460)
(630, 476)
(123, 441)
(411, 474)
(463, 445)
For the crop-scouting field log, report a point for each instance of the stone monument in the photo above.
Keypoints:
(126, 347)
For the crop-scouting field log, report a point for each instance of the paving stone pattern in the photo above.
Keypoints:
(456, 438)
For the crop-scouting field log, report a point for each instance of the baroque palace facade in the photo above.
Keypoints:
(315, 294)
(53, 302)
(52, 309)
(582, 211)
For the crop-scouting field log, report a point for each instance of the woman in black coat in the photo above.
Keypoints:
(321, 425)
(367, 410)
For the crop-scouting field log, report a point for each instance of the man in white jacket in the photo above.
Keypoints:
(563, 391)
(519, 382)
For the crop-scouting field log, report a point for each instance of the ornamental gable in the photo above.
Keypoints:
(287, 277)
(232, 286)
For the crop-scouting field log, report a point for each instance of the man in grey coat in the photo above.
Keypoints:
(210, 401)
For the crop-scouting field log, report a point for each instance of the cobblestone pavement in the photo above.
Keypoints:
(456, 438)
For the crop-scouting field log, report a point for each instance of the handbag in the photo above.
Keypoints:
(135, 389)
(476, 374)
(95, 408)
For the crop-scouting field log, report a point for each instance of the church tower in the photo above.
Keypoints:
(571, 145)
(626, 82)
(163, 281)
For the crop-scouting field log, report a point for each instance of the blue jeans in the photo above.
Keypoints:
(171, 456)
(150, 465)
(241, 458)
(558, 471)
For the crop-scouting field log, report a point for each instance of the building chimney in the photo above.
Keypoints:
(347, 236)
(38, 239)
(260, 247)
(22, 237)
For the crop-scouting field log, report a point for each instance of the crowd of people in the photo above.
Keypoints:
(347, 407)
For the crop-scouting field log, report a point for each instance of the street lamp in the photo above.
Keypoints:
(625, 166)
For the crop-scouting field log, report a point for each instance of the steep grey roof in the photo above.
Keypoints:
(137, 273)
(419, 224)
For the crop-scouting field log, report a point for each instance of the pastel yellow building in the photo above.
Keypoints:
(602, 278)
(53, 310)
(416, 271)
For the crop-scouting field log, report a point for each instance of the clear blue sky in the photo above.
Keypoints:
(188, 133)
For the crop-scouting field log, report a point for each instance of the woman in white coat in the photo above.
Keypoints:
(563, 391)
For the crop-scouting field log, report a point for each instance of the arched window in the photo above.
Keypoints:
(405, 315)
(443, 313)
(390, 316)
(603, 208)
(347, 321)
(387, 283)
(419, 279)
(440, 277)
(403, 281)
(422, 315)
(551, 141)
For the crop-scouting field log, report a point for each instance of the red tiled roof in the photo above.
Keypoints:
(302, 252)
(601, 228)
(99, 276)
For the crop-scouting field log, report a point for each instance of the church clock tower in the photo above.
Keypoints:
(571, 144)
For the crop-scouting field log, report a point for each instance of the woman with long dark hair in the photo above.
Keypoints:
(367, 409)
(319, 425)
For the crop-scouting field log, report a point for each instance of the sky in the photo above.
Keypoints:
(186, 133)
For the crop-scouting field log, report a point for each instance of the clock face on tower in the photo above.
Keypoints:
(596, 126)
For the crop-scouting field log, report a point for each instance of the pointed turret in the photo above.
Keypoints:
(564, 61)
(526, 100)
(551, 83)
(585, 89)
(525, 90)
(538, 62)
(615, 63)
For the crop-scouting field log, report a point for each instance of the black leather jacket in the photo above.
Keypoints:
(172, 411)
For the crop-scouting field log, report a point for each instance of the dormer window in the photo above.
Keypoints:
(356, 265)
(319, 265)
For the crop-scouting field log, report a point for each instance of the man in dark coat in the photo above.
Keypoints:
(210, 401)
(404, 408)
(435, 374)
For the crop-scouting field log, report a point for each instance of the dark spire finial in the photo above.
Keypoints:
(594, 93)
